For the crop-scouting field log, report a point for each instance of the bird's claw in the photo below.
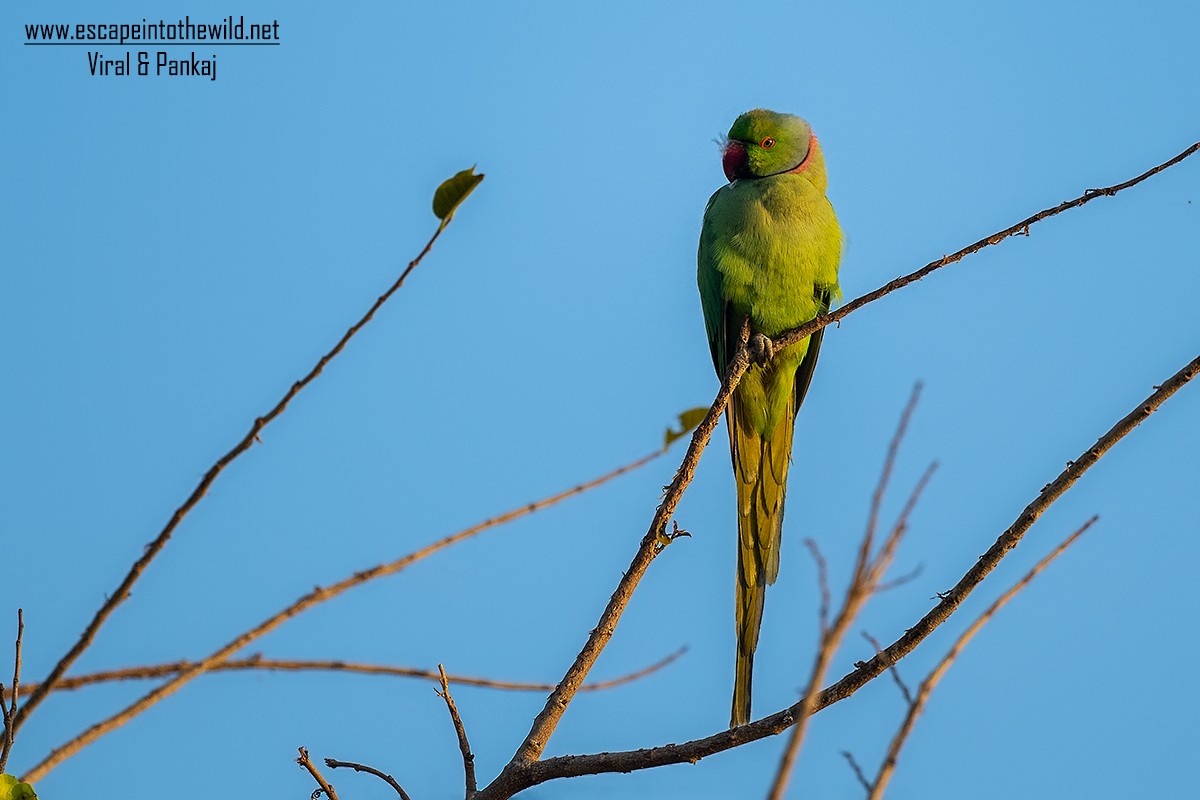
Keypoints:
(761, 348)
(663, 539)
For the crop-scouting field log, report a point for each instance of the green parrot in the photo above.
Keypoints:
(769, 250)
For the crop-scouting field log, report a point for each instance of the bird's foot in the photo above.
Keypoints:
(761, 348)
(663, 539)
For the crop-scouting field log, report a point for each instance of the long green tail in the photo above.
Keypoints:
(760, 468)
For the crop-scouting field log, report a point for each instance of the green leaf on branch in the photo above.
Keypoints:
(13, 789)
(687, 421)
(453, 191)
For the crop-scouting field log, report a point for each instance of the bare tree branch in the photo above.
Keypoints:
(333, 763)
(822, 584)
(879, 786)
(526, 764)
(900, 684)
(10, 711)
(866, 577)
(889, 463)
(1022, 227)
(463, 745)
(518, 776)
(858, 772)
(651, 545)
(155, 547)
(326, 787)
(257, 662)
(899, 581)
(525, 769)
(316, 596)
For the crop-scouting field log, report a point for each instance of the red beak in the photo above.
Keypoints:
(733, 161)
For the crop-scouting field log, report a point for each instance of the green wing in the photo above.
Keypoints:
(714, 304)
(804, 372)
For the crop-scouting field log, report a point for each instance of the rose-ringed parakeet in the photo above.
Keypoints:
(769, 250)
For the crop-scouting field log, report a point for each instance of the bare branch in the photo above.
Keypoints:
(865, 578)
(257, 662)
(326, 787)
(10, 711)
(517, 777)
(927, 686)
(463, 745)
(525, 768)
(651, 545)
(316, 596)
(333, 763)
(155, 547)
(822, 584)
(897, 582)
(889, 463)
(900, 684)
(1022, 228)
(858, 772)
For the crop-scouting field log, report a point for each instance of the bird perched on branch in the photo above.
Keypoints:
(769, 251)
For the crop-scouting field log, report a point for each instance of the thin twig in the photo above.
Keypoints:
(900, 684)
(822, 584)
(463, 745)
(862, 587)
(897, 582)
(791, 337)
(858, 772)
(6, 742)
(325, 785)
(889, 463)
(10, 711)
(887, 768)
(316, 596)
(518, 777)
(333, 763)
(257, 662)
(155, 547)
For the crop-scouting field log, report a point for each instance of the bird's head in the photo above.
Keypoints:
(762, 143)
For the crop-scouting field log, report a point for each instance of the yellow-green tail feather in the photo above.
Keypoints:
(760, 467)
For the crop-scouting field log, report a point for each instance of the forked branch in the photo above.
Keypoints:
(307, 601)
(876, 788)
(520, 776)
(9, 711)
(155, 547)
(869, 570)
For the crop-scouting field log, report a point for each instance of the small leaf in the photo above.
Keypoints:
(453, 191)
(13, 789)
(687, 421)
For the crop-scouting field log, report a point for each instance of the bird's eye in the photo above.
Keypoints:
(767, 143)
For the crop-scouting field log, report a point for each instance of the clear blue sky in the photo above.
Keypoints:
(177, 251)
